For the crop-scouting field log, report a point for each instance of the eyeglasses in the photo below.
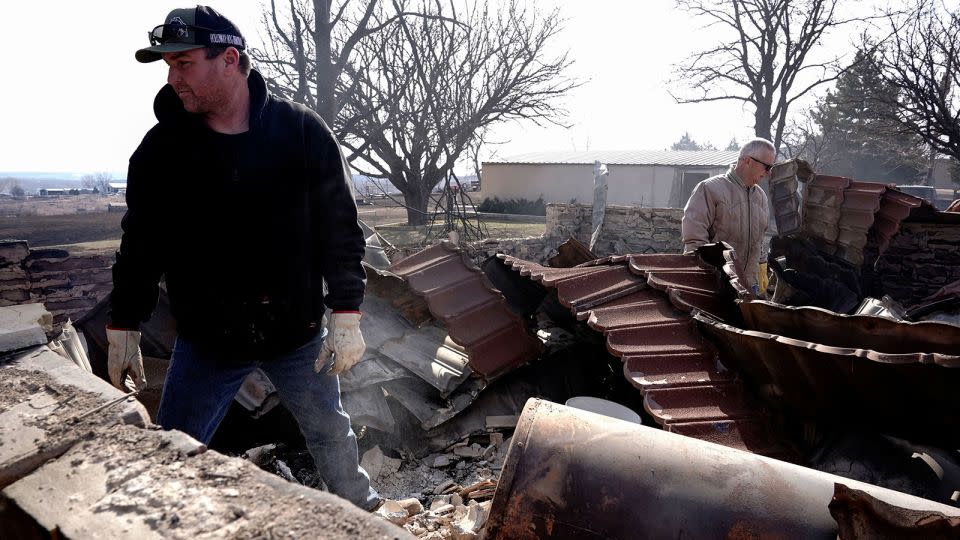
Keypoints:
(172, 32)
(180, 32)
(766, 166)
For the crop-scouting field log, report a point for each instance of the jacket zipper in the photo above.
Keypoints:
(749, 230)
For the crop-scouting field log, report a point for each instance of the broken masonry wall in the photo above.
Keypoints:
(922, 258)
(77, 460)
(68, 284)
(626, 229)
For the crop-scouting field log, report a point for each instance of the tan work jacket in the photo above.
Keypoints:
(722, 208)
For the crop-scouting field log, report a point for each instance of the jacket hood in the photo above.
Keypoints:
(168, 108)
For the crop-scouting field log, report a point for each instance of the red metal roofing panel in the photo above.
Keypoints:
(852, 331)
(596, 286)
(472, 310)
(652, 371)
(895, 207)
(909, 395)
(699, 404)
(698, 282)
(642, 295)
(651, 329)
(665, 262)
(651, 312)
(750, 435)
(570, 254)
(821, 209)
(676, 337)
(861, 201)
(687, 301)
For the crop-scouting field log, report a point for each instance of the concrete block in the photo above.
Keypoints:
(42, 396)
(23, 326)
(128, 482)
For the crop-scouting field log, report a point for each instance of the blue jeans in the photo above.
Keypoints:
(201, 382)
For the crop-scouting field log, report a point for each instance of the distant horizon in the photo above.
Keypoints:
(55, 175)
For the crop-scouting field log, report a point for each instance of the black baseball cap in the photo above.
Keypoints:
(191, 28)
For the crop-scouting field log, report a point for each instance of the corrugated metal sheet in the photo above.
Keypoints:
(861, 201)
(851, 219)
(821, 210)
(895, 207)
(680, 158)
(910, 394)
(642, 304)
(883, 335)
(571, 253)
(784, 192)
(472, 310)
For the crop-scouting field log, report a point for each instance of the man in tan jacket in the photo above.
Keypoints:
(732, 208)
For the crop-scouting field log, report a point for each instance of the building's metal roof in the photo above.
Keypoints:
(679, 158)
(470, 307)
(642, 304)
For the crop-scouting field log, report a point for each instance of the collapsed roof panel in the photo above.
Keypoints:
(908, 394)
(895, 208)
(472, 310)
(821, 210)
(784, 192)
(642, 304)
(571, 253)
(852, 331)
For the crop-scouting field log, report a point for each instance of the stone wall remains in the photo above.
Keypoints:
(67, 284)
(626, 229)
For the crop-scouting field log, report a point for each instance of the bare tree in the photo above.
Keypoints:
(427, 90)
(802, 138)
(417, 85)
(767, 58)
(921, 60)
(16, 190)
(309, 44)
(99, 181)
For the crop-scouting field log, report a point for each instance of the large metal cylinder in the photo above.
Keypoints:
(575, 474)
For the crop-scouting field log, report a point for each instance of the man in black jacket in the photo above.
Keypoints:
(242, 201)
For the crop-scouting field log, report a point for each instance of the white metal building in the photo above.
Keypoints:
(662, 179)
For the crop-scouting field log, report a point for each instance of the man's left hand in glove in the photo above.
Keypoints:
(344, 342)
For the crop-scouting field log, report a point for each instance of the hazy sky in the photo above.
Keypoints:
(73, 99)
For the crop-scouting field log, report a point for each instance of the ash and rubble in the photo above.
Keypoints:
(444, 495)
(458, 343)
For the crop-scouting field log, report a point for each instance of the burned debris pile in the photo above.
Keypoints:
(849, 365)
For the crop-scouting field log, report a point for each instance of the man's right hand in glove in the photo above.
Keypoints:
(124, 358)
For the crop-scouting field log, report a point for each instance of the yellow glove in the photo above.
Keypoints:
(124, 358)
(344, 342)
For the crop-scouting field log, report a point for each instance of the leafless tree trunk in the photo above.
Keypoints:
(922, 61)
(765, 59)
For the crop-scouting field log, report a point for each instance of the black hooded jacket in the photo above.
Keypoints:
(245, 228)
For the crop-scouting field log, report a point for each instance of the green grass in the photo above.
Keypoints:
(42, 231)
(410, 236)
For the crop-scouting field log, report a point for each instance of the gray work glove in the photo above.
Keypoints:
(124, 358)
(344, 342)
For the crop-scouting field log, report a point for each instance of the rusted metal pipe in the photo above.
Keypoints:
(575, 474)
